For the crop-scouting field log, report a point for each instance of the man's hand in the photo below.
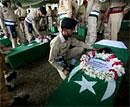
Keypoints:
(5, 49)
(5, 31)
(65, 71)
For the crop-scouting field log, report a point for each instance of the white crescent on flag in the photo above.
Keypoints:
(110, 90)
(116, 44)
(110, 87)
(73, 72)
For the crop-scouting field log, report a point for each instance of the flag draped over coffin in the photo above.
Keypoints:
(79, 89)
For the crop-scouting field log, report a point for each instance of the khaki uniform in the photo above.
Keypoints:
(49, 15)
(92, 21)
(5, 96)
(30, 23)
(89, 8)
(21, 13)
(7, 18)
(61, 47)
(54, 15)
(8, 24)
(100, 26)
(67, 8)
(115, 17)
(82, 15)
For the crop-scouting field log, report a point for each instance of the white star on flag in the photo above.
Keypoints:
(85, 84)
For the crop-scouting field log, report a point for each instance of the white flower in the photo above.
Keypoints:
(109, 75)
(45, 40)
(92, 72)
(122, 70)
(86, 72)
(114, 60)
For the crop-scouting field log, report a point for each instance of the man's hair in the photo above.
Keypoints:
(43, 10)
(68, 23)
(4, 2)
(19, 4)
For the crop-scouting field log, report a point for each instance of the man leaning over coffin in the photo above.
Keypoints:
(65, 47)
(31, 23)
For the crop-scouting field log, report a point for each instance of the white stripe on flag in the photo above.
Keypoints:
(117, 44)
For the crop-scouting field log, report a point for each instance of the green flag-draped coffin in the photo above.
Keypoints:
(93, 87)
(26, 53)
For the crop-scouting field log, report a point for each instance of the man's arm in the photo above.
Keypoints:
(78, 43)
(2, 25)
(126, 9)
(35, 28)
(53, 55)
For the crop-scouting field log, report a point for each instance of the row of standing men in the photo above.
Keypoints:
(97, 15)
(20, 24)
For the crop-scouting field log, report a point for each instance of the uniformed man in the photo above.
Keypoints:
(113, 19)
(8, 22)
(31, 21)
(54, 15)
(67, 8)
(21, 13)
(28, 9)
(49, 16)
(92, 20)
(82, 12)
(65, 47)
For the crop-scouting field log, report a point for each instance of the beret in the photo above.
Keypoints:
(68, 23)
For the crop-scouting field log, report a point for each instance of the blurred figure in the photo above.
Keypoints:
(82, 12)
(21, 13)
(8, 22)
(49, 16)
(54, 15)
(6, 97)
(28, 9)
(113, 18)
(67, 8)
(92, 20)
(31, 21)
(8, 74)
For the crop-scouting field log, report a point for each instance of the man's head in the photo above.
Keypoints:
(49, 7)
(42, 11)
(19, 4)
(68, 27)
(6, 3)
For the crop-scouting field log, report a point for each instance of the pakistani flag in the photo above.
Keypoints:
(81, 90)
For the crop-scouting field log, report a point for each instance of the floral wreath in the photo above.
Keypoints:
(43, 39)
(117, 69)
